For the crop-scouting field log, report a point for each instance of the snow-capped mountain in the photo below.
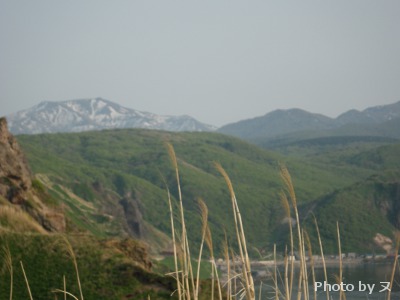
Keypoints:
(94, 114)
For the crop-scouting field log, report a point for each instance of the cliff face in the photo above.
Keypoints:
(15, 177)
(16, 186)
(133, 216)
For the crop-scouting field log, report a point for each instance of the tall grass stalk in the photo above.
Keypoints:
(186, 281)
(340, 278)
(394, 266)
(234, 278)
(65, 293)
(322, 256)
(288, 283)
(286, 265)
(65, 287)
(228, 268)
(310, 255)
(178, 283)
(302, 284)
(9, 266)
(206, 236)
(72, 255)
(204, 222)
(248, 283)
(276, 275)
(188, 285)
(187, 272)
(214, 276)
(26, 281)
(305, 273)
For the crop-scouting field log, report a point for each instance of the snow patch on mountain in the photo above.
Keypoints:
(94, 114)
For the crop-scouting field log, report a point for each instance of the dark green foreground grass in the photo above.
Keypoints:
(105, 271)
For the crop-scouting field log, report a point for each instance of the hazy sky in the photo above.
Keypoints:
(218, 61)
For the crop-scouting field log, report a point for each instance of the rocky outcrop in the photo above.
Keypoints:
(384, 242)
(15, 176)
(133, 249)
(133, 216)
(16, 184)
(387, 199)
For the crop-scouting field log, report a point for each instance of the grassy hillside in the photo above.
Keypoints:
(107, 269)
(110, 168)
(362, 210)
(112, 185)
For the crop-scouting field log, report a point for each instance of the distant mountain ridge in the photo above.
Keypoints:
(375, 114)
(94, 114)
(283, 122)
(97, 114)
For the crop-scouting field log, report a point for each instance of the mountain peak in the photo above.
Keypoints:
(280, 121)
(375, 114)
(94, 114)
(286, 121)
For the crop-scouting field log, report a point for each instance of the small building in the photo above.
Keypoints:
(351, 255)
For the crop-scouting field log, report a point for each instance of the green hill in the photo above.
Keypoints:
(363, 210)
(112, 186)
(122, 172)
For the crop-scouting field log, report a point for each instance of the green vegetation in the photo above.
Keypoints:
(114, 183)
(107, 166)
(362, 210)
(15, 219)
(106, 269)
(103, 167)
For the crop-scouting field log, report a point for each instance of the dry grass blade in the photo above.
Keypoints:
(177, 272)
(65, 288)
(304, 266)
(204, 222)
(340, 279)
(214, 274)
(203, 214)
(215, 270)
(337, 280)
(16, 219)
(187, 274)
(322, 256)
(65, 293)
(228, 268)
(178, 283)
(289, 283)
(248, 279)
(286, 178)
(9, 266)
(310, 255)
(286, 282)
(394, 266)
(276, 275)
(72, 254)
(234, 288)
(26, 281)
